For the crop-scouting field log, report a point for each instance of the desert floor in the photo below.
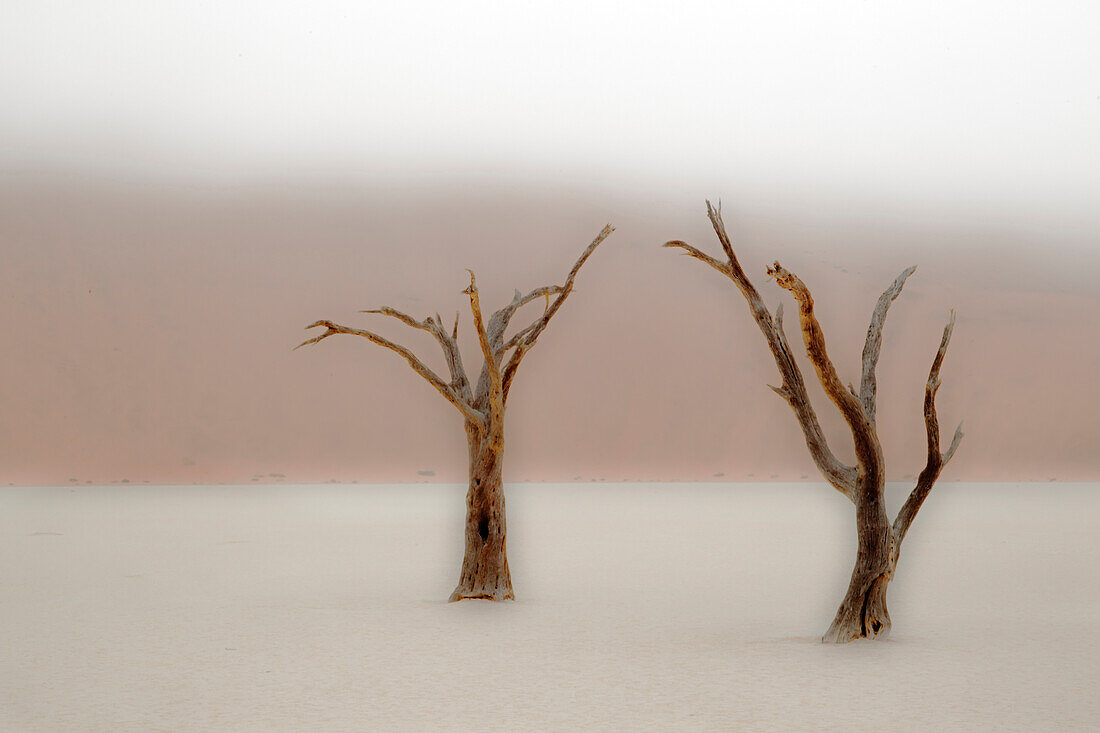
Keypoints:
(640, 606)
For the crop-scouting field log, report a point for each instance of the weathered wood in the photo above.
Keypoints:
(872, 525)
(863, 612)
(841, 476)
(467, 410)
(494, 437)
(448, 343)
(936, 460)
(868, 450)
(868, 387)
(522, 346)
(484, 571)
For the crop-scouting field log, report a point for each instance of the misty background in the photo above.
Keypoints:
(184, 186)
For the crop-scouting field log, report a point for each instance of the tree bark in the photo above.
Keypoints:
(863, 612)
(485, 565)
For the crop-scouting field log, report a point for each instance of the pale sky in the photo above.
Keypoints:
(979, 102)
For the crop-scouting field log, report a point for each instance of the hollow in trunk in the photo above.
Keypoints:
(485, 564)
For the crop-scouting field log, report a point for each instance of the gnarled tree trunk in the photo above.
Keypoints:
(485, 564)
(863, 612)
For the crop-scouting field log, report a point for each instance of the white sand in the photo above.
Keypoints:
(681, 607)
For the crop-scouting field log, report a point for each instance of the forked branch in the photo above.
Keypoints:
(868, 387)
(331, 329)
(793, 390)
(936, 460)
(492, 367)
(868, 450)
(448, 343)
(531, 333)
(498, 324)
(483, 408)
(499, 321)
(704, 258)
(518, 338)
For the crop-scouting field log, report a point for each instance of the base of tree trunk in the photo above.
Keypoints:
(485, 571)
(862, 614)
(501, 591)
(485, 575)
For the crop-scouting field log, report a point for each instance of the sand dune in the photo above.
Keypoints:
(150, 332)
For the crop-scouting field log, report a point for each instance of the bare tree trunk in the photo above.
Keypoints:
(485, 564)
(863, 613)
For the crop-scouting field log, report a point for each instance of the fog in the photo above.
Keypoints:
(184, 186)
(981, 103)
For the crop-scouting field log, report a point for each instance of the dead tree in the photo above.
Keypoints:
(863, 612)
(485, 565)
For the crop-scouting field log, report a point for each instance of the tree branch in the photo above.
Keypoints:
(403, 317)
(518, 337)
(532, 332)
(331, 329)
(702, 257)
(868, 450)
(492, 367)
(868, 386)
(448, 343)
(840, 476)
(936, 461)
(498, 322)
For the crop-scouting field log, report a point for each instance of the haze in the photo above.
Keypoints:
(1002, 96)
(185, 187)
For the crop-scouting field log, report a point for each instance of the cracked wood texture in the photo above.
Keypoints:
(863, 612)
(484, 572)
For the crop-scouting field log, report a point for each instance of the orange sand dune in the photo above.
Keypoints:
(149, 333)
